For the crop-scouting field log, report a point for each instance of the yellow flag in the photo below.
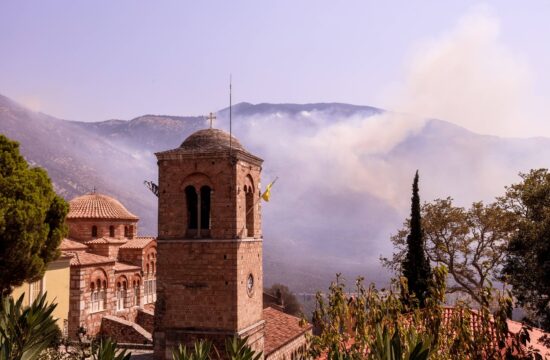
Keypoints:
(267, 193)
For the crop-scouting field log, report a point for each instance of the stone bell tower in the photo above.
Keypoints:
(209, 247)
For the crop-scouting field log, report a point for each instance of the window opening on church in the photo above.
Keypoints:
(249, 206)
(97, 290)
(120, 295)
(205, 207)
(111, 231)
(125, 299)
(198, 210)
(102, 297)
(126, 233)
(94, 231)
(192, 207)
(95, 297)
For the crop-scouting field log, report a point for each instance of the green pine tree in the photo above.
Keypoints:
(32, 218)
(416, 267)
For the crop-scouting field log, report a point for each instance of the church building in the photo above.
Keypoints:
(112, 271)
(209, 251)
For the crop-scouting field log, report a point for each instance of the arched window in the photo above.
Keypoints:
(136, 293)
(94, 231)
(111, 231)
(97, 290)
(102, 297)
(126, 232)
(249, 208)
(192, 207)
(205, 207)
(95, 297)
(120, 295)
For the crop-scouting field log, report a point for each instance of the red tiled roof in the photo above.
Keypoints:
(125, 267)
(84, 258)
(106, 240)
(98, 206)
(138, 242)
(535, 337)
(280, 328)
(68, 244)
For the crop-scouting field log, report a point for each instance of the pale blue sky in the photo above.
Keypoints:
(96, 60)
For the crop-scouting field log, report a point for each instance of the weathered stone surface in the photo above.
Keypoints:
(124, 331)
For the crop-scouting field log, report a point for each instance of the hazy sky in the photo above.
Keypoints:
(96, 60)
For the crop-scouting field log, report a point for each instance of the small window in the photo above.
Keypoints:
(126, 232)
(94, 231)
(111, 231)
(192, 207)
(120, 296)
(205, 207)
(35, 290)
(249, 208)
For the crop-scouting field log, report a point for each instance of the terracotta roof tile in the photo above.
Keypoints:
(98, 206)
(535, 337)
(138, 243)
(68, 244)
(84, 258)
(106, 240)
(280, 328)
(125, 267)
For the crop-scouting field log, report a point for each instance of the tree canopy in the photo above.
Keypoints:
(527, 265)
(470, 242)
(32, 218)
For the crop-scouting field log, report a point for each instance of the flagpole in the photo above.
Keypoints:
(230, 120)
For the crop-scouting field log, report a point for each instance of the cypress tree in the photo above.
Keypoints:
(415, 266)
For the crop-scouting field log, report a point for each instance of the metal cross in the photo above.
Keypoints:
(211, 117)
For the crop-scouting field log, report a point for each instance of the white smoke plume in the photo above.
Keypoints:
(346, 176)
(469, 77)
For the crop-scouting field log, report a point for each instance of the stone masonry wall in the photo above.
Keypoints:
(202, 280)
(145, 319)
(290, 351)
(81, 229)
(249, 262)
(80, 313)
(124, 331)
(228, 211)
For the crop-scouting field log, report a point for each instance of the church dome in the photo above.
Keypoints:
(208, 140)
(98, 206)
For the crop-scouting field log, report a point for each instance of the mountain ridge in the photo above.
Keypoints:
(345, 172)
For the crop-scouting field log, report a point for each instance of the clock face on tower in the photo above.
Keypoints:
(250, 284)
